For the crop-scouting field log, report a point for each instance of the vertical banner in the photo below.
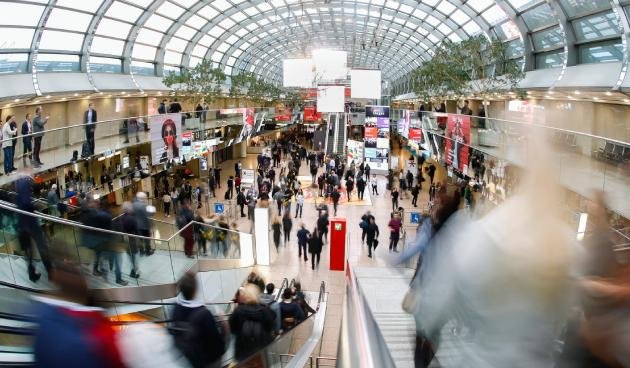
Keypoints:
(457, 139)
(166, 138)
(355, 152)
(377, 123)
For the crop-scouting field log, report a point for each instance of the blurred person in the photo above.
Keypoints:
(335, 196)
(371, 234)
(162, 108)
(70, 332)
(199, 111)
(360, 187)
(503, 280)
(52, 200)
(222, 234)
(409, 177)
(431, 171)
(29, 227)
(415, 191)
(276, 228)
(130, 226)
(194, 327)
(27, 139)
(90, 119)
(394, 233)
(14, 140)
(287, 225)
(142, 220)
(184, 217)
(322, 226)
(267, 298)
(251, 205)
(39, 123)
(252, 324)
(241, 201)
(365, 221)
(299, 203)
(290, 312)
(8, 132)
(200, 233)
(175, 200)
(315, 245)
(303, 237)
(349, 188)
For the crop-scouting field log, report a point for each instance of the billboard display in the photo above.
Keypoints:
(457, 141)
(166, 138)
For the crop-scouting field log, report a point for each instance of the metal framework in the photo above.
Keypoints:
(155, 37)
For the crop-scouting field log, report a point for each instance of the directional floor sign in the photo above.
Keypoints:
(219, 208)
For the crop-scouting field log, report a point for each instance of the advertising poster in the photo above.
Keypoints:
(355, 151)
(377, 111)
(247, 176)
(248, 120)
(311, 114)
(415, 134)
(382, 143)
(186, 144)
(166, 138)
(371, 132)
(457, 139)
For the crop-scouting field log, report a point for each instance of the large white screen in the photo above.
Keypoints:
(330, 64)
(297, 73)
(330, 98)
(365, 83)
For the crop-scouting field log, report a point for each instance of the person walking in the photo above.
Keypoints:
(287, 225)
(360, 187)
(322, 226)
(130, 226)
(241, 201)
(366, 169)
(374, 183)
(276, 228)
(372, 234)
(303, 236)
(39, 123)
(365, 221)
(299, 203)
(230, 188)
(349, 188)
(7, 144)
(14, 141)
(394, 227)
(431, 172)
(27, 139)
(251, 323)
(166, 201)
(142, 219)
(175, 200)
(415, 191)
(90, 119)
(335, 195)
(315, 245)
(52, 200)
(395, 198)
(409, 178)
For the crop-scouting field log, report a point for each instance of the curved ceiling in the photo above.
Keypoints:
(160, 36)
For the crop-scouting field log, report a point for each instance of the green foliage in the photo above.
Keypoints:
(475, 65)
(203, 80)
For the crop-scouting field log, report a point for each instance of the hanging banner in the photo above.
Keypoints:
(355, 152)
(457, 139)
(166, 138)
(311, 114)
(187, 144)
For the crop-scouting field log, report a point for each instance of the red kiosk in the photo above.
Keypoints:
(337, 244)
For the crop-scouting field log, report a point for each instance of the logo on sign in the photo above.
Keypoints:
(415, 217)
(338, 226)
(219, 208)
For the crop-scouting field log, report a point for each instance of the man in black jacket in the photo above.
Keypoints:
(90, 119)
(303, 235)
(27, 139)
(195, 328)
(371, 233)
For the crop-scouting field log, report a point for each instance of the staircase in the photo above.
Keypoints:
(399, 332)
(336, 137)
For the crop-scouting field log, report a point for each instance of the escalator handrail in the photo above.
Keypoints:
(283, 286)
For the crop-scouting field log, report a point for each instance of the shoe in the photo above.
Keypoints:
(191, 256)
(395, 251)
(34, 277)
(134, 274)
(369, 256)
(122, 282)
(97, 273)
(150, 252)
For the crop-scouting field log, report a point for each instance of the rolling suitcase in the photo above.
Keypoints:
(85, 150)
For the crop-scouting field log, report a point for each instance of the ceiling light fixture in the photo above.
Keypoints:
(608, 93)
(76, 94)
(16, 100)
(577, 92)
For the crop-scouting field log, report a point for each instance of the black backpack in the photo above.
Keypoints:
(253, 333)
(186, 334)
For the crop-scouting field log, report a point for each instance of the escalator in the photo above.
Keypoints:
(337, 134)
(290, 349)
(158, 273)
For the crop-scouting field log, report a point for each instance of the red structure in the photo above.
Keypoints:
(337, 244)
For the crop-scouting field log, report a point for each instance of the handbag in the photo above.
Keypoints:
(375, 243)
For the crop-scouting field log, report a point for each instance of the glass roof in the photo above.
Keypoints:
(393, 35)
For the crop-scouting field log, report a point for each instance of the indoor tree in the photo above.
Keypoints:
(202, 80)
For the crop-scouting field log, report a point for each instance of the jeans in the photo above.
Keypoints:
(8, 159)
(298, 209)
(374, 189)
(287, 234)
(115, 260)
(393, 240)
(35, 232)
(167, 208)
(394, 204)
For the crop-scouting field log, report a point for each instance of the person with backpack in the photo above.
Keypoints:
(184, 217)
(365, 221)
(251, 323)
(290, 311)
(194, 327)
(303, 236)
(415, 191)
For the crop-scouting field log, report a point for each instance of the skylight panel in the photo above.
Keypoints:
(196, 21)
(102, 45)
(158, 22)
(143, 52)
(494, 15)
(170, 10)
(222, 5)
(17, 14)
(200, 50)
(16, 38)
(89, 6)
(208, 12)
(113, 28)
(56, 40)
(186, 32)
(459, 17)
(177, 44)
(149, 37)
(446, 7)
(174, 58)
(122, 11)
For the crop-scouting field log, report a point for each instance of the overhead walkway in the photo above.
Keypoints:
(292, 348)
(59, 144)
